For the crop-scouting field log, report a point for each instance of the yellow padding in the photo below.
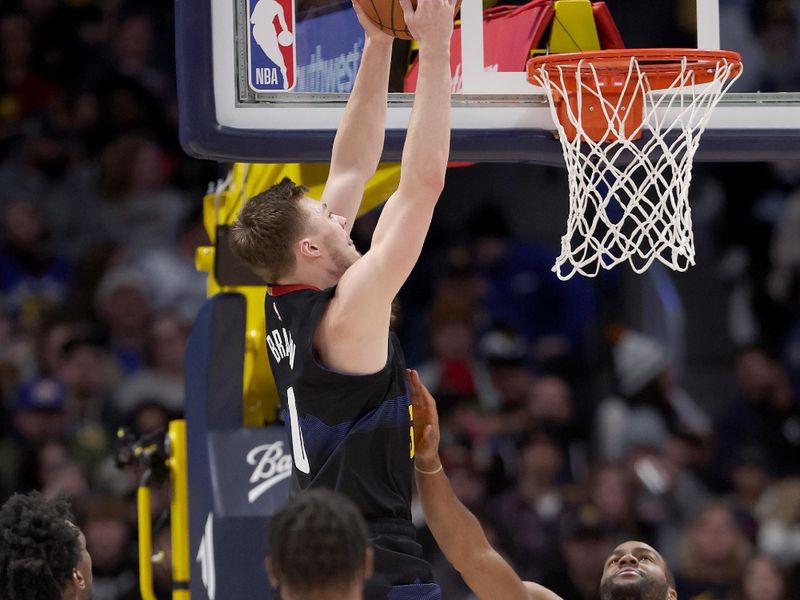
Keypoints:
(573, 27)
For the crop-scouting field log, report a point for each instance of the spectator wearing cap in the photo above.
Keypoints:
(506, 354)
(585, 541)
(39, 410)
(38, 416)
(123, 306)
(646, 384)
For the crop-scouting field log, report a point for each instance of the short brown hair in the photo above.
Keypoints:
(267, 226)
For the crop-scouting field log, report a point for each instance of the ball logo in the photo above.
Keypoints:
(271, 47)
(271, 466)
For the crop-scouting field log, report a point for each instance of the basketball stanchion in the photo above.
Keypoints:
(629, 123)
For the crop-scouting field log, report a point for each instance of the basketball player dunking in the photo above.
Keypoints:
(339, 370)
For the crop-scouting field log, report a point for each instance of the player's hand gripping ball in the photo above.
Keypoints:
(285, 38)
(388, 15)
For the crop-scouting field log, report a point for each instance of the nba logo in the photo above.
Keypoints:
(271, 29)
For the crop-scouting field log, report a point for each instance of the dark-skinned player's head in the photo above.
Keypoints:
(635, 571)
(42, 554)
(318, 548)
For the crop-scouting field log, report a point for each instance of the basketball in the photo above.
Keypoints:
(285, 38)
(388, 15)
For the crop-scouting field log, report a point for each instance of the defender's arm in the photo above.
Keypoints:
(455, 528)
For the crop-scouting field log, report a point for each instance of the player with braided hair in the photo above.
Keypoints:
(319, 548)
(42, 553)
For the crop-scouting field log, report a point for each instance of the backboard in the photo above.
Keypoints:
(267, 80)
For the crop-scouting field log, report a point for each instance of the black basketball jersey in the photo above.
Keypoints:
(349, 433)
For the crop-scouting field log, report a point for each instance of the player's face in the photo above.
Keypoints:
(635, 571)
(331, 231)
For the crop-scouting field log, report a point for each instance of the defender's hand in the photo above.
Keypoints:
(371, 29)
(431, 22)
(426, 424)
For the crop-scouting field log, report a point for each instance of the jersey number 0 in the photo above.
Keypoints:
(298, 448)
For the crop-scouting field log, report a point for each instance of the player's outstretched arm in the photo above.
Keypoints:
(455, 528)
(358, 144)
(370, 284)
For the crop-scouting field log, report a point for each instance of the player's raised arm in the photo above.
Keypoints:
(372, 283)
(358, 144)
(455, 528)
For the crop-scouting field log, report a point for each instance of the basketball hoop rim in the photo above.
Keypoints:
(653, 61)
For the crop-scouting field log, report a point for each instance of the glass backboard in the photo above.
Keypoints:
(267, 80)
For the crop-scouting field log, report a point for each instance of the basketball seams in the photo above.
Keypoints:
(393, 23)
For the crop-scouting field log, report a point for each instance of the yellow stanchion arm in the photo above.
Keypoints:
(145, 541)
(179, 509)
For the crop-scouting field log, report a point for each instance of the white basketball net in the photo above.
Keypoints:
(629, 201)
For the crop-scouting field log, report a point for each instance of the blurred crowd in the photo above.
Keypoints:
(564, 428)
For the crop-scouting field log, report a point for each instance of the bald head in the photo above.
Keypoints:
(635, 571)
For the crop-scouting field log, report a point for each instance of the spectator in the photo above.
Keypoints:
(521, 292)
(32, 280)
(765, 413)
(140, 209)
(176, 284)
(91, 419)
(713, 555)
(527, 515)
(453, 367)
(50, 468)
(37, 417)
(123, 305)
(779, 515)
(161, 379)
(586, 541)
(646, 384)
(108, 537)
(762, 579)
(612, 491)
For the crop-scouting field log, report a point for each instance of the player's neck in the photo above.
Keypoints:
(312, 274)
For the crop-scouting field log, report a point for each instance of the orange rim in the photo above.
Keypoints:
(662, 65)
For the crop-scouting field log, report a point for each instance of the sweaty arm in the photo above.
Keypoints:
(456, 530)
(359, 139)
